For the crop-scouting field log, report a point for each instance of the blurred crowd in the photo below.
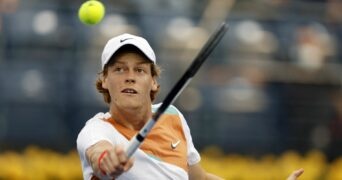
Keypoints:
(273, 83)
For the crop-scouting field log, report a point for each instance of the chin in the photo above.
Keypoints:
(132, 105)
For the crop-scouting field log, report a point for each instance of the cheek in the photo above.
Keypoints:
(111, 86)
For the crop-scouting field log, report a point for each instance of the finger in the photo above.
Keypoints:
(103, 167)
(112, 161)
(295, 174)
(106, 165)
(122, 157)
(116, 168)
(298, 172)
(129, 164)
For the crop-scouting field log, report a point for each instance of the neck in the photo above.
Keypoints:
(133, 119)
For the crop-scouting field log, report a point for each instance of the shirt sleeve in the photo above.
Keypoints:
(95, 130)
(193, 155)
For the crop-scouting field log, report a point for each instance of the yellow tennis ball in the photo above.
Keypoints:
(91, 12)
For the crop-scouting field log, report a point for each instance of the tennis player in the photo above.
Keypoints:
(128, 83)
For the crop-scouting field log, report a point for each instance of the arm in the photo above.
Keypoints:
(113, 162)
(295, 174)
(197, 172)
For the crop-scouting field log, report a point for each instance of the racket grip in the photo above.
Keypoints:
(133, 145)
(135, 142)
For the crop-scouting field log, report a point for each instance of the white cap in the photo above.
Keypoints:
(117, 42)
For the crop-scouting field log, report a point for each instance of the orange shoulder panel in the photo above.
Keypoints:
(165, 142)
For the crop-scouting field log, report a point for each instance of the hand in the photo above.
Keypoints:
(295, 174)
(107, 160)
(114, 162)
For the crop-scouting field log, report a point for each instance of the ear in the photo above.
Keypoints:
(104, 82)
(155, 84)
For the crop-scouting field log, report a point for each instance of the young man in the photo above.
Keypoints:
(128, 83)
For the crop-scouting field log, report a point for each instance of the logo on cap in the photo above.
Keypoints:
(123, 40)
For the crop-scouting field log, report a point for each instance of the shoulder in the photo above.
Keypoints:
(170, 110)
(174, 116)
(94, 127)
(98, 118)
(97, 121)
(173, 112)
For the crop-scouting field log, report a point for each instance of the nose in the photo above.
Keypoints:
(130, 80)
(130, 77)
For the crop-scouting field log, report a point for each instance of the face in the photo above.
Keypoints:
(129, 81)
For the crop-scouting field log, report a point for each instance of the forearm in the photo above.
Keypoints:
(197, 172)
(210, 176)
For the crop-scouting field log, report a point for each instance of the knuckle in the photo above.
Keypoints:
(115, 163)
(119, 168)
(112, 170)
(102, 163)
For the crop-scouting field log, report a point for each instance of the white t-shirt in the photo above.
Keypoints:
(146, 164)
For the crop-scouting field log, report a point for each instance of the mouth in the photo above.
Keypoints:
(129, 91)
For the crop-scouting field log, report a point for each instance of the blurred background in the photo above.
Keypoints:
(267, 101)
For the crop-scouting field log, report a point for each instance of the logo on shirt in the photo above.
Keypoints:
(174, 145)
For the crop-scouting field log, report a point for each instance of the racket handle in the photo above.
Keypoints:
(133, 145)
(135, 142)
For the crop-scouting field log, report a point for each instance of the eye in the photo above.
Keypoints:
(140, 70)
(118, 69)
